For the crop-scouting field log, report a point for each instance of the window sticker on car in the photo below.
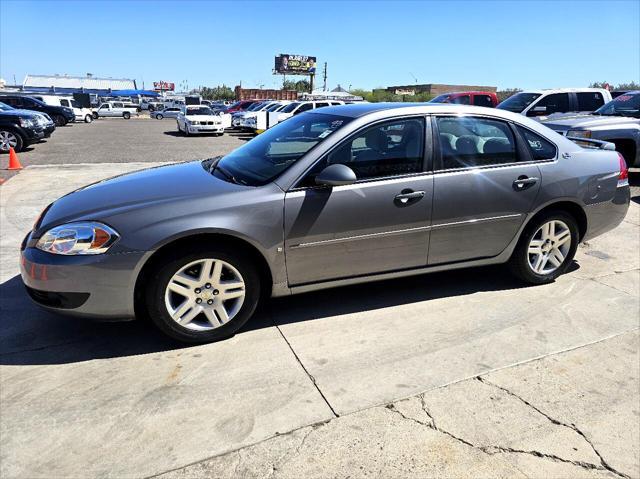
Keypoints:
(325, 133)
(624, 98)
(535, 144)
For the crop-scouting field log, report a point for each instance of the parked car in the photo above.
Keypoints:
(477, 98)
(81, 114)
(241, 105)
(542, 103)
(198, 119)
(242, 117)
(115, 109)
(237, 116)
(151, 105)
(617, 122)
(327, 198)
(19, 129)
(259, 121)
(298, 107)
(171, 112)
(59, 114)
(45, 122)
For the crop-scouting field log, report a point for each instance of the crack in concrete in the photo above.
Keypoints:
(313, 379)
(557, 422)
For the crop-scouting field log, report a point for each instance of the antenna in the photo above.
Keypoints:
(414, 77)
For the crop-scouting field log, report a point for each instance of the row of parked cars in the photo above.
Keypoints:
(21, 127)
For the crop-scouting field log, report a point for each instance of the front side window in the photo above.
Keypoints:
(589, 101)
(290, 107)
(260, 160)
(461, 100)
(303, 107)
(555, 103)
(469, 142)
(320, 105)
(624, 105)
(541, 149)
(64, 102)
(388, 149)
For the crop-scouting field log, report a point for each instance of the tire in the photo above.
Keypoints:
(9, 138)
(126, 115)
(186, 130)
(59, 120)
(95, 115)
(523, 261)
(199, 328)
(88, 118)
(159, 116)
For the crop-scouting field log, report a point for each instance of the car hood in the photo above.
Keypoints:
(202, 117)
(586, 121)
(160, 187)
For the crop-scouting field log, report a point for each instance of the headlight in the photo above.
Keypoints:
(78, 239)
(579, 133)
(194, 122)
(27, 122)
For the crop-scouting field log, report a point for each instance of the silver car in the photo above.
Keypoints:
(336, 196)
(171, 112)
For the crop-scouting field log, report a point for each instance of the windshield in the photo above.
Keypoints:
(260, 160)
(203, 110)
(440, 99)
(624, 105)
(5, 107)
(290, 107)
(255, 106)
(275, 106)
(518, 102)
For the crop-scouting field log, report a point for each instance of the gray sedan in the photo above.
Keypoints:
(171, 112)
(343, 195)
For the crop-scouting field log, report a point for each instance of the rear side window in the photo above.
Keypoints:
(64, 102)
(320, 105)
(540, 148)
(589, 101)
(482, 100)
(468, 142)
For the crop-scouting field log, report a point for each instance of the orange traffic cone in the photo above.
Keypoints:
(14, 162)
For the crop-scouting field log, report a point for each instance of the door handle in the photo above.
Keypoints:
(409, 196)
(523, 182)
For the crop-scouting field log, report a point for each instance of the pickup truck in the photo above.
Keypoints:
(115, 109)
(616, 122)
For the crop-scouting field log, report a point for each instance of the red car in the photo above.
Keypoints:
(241, 105)
(477, 98)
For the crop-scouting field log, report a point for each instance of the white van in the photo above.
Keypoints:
(82, 114)
(115, 109)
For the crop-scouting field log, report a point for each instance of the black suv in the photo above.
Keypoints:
(18, 129)
(61, 115)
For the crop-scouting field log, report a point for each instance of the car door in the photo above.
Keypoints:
(552, 103)
(104, 110)
(484, 185)
(380, 223)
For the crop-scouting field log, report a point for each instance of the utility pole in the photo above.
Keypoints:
(324, 87)
(311, 77)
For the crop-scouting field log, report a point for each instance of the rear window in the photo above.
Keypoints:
(589, 101)
(482, 100)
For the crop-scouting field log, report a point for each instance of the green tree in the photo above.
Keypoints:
(300, 85)
(621, 86)
(221, 92)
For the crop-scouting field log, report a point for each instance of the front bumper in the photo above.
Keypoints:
(97, 286)
(195, 129)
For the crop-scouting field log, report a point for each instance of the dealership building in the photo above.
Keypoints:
(436, 89)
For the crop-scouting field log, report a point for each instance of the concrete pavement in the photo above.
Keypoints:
(118, 400)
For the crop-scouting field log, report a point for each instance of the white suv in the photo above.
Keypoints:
(298, 107)
(542, 103)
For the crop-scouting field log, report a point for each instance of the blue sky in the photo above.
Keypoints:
(366, 44)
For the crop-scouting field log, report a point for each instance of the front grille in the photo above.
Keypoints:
(58, 300)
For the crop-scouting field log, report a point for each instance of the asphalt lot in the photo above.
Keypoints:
(460, 374)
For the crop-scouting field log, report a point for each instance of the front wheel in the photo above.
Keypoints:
(159, 116)
(126, 115)
(95, 115)
(88, 118)
(202, 295)
(546, 248)
(10, 139)
(59, 120)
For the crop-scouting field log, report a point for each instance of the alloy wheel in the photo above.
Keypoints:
(549, 247)
(205, 294)
(7, 140)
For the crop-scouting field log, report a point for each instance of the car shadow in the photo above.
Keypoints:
(634, 181)
(31, 336)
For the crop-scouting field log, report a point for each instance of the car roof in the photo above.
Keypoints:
(563, 90)
(465, 92)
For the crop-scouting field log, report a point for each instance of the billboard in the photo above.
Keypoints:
(295, 64)
(163, 86)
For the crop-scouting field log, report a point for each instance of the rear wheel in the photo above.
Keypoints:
(202, 295)
(126, 115)
(10, 139)
(546, 248)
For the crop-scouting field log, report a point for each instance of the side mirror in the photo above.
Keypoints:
(336, 175)
(538, 111)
